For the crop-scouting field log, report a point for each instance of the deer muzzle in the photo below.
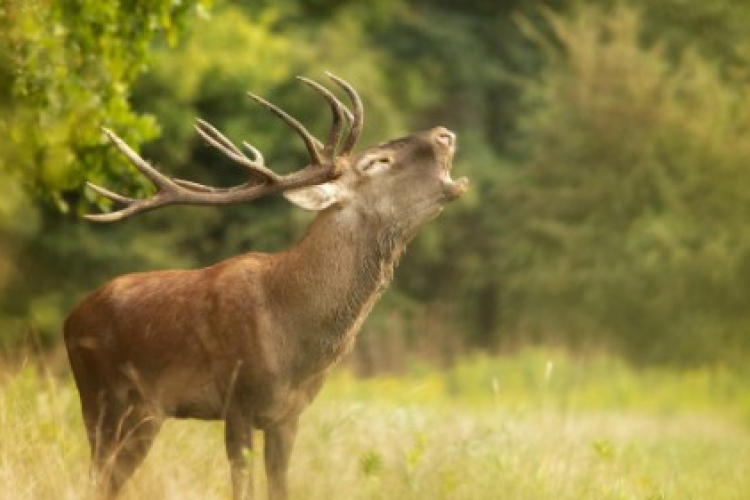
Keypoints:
(455, 189)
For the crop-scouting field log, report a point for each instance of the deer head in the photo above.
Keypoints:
(406, 179)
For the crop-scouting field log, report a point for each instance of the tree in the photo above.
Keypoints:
(633, 212)
(65, 70)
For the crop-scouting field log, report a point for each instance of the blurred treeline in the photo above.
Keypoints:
(608, 145)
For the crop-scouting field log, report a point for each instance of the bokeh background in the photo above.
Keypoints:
(608, 144)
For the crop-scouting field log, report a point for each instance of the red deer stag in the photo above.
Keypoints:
(250, 340)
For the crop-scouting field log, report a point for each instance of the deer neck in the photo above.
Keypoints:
(332, 278)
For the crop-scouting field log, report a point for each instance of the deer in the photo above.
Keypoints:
(250, 340)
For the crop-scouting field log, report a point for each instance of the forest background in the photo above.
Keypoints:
(608, 145)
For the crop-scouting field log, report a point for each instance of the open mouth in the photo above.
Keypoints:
(453, 189)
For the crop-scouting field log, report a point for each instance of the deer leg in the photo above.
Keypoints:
(92, 393)
(278, 441)
(122, 440)
(238, 435)
(134, 446)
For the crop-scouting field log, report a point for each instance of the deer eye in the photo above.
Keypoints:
(377, 163)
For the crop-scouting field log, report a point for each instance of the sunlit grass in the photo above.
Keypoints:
(539, 425)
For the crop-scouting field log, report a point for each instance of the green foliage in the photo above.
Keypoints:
(66, 69)
(632, 206)
(717, 30)
(604, 141)
(69, 66)
(371, 463)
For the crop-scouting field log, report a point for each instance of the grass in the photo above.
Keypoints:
(538, 425)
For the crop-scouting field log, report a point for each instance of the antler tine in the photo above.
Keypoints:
(337, 109)
(219, 141)
(258, 156)
(358, 118)
(166, 188)
(116, 215)
(311, 142)
(109, 194)
(195, 186)
(150, 172)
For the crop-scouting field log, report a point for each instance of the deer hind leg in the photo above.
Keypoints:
(120, 437)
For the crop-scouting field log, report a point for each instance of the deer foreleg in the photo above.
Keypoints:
(238, 435)
(278, 441)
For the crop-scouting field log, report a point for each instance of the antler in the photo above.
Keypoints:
(327, 161)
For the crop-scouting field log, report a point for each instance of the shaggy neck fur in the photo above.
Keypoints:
(338, 271)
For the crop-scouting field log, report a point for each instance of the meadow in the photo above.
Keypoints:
(539, 424)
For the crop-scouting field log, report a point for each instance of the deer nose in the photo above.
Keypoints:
(445, 137)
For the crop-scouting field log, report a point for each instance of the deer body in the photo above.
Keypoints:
(250, 339)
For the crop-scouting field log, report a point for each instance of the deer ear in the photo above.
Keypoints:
(316, 198)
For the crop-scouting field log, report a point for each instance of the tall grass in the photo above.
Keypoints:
(538, 425)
